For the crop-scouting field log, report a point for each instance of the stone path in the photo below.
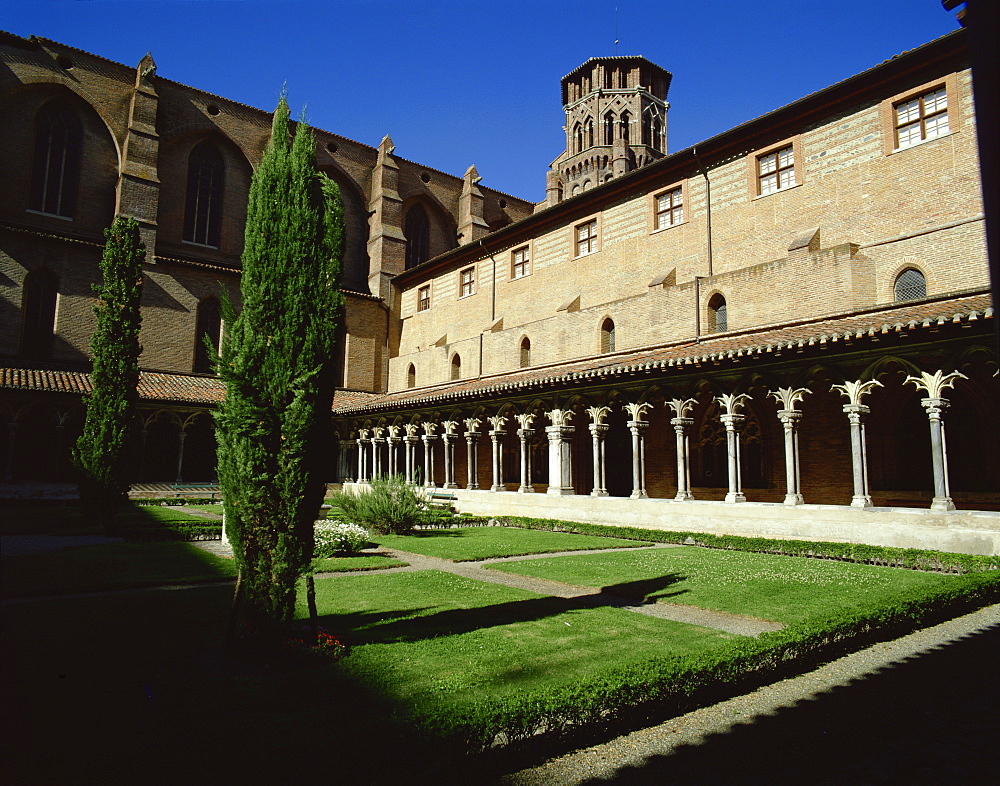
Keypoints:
(595, 596)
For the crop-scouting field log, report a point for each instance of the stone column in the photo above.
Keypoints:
(393, 441)
(429, 438)
(347, 473)
(524, 434)
(560, 435)
(732, 420)
(410, 441)
(856, 412)
(362, 457)
(377, 442)
(638, 428)
(598, 429)
(496, 437)
(471, 445)
(935, 406)
(790, 417)
(181, 436)
(448, 440)
(681, 423)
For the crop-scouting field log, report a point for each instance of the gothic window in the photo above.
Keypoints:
(38, 314)
(209, 324)
(608, 335)
(657, 135)
(525, 352)
(590, 132)
(776, 171)
(609, 129)
(578, 137)
(203, 210)
(411, 376)
(55, 171)
(910, 285)
(417, 231)
(624, 123)
(718, 314)
(922, 118)
(456, 367)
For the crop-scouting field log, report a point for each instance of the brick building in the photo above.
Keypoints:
(783, 315)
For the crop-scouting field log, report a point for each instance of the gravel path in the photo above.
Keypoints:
(921, 709)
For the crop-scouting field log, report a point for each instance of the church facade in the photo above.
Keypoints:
(785, 329)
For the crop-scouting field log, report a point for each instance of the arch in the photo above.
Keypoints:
(205, 190)
(456, 366)
(590, 132)
(624, 122)
(609, 128)
(411, 376)
(208, 331)
(718, 314)
(55, 171)
(417, 231)
(910, 284)
(525, 359)
(608, 335)
(657, 134)
(39, 297)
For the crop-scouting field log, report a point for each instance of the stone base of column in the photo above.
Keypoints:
(794, 499)
(684, 496)
(942, 503)
(496, 487)
(525, 490)
(561, 492)
(861, 501)
(638, 495)
(451, 485)
(735, 496)
(599, 493)
(473, 487)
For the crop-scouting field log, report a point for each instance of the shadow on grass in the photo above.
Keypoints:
(931, 718)
(399, 626)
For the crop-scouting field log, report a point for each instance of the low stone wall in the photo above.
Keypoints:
(964, 532)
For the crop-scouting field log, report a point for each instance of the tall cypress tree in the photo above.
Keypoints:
(279, 381)
(102, 453)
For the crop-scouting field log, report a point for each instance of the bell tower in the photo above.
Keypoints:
(616, 121)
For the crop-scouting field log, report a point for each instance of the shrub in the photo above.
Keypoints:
(334, 536)
(389, 505)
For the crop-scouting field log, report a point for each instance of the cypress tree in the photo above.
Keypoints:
(102, 453)
(279, 383)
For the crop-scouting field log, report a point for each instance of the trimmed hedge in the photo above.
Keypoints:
(173, 531)
(177, 501)
(664, 687)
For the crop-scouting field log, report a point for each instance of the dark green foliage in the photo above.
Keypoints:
(388, 505)
(103, 451)
(279, 384)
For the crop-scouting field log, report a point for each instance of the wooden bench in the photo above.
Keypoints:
(205, 489)
(440, 498)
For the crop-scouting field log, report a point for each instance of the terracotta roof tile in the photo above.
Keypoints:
(153, 385)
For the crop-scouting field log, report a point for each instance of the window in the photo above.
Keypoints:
(417, 231)
(203, 211)
(624, 123)
(525, 352)
(586, 238)
(38, 314)
(669, 209)
(718, 315)
(776, 171)
(411, 377)
(456, 367)
(467, 282)
(608, 336)
(210, 325)
(520, 263)
(922, 118)
(910, 285)
(424, 298)
(609, 129)
(55, 170)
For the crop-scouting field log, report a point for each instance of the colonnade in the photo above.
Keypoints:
(375, 451)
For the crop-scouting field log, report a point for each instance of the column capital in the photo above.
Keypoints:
(732, 422)
(559, 432)
(935, 406)
(524, 433)
(681, 423)
(789, 417)
(637, 425)
(598, 429)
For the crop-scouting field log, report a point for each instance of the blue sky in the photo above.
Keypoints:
(457, 82)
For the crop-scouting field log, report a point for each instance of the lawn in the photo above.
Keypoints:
(767, 586)
(65, 517)
(468, 544)
(357, 562)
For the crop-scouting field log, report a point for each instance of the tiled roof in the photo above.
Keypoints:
(832, 331)
(153, 385)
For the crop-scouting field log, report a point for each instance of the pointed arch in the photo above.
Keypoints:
(411, 376)
(205, 189)
(55, 172)
(417, 231)
(525, 360)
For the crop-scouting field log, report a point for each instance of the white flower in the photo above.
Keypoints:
(334, 536)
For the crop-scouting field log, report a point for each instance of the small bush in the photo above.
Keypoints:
(389, 505)
(334, 537)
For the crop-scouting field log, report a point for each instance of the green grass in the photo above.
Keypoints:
(357, 562)
(215, 509)
(465, 544)
(111, 566)
(429, 637)
(784, 589)
(64, 518)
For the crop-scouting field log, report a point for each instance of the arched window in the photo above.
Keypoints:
(456, 367)
(624, 122)
(203, 209)
(38, 314)
(55, 171)
(209, 324)
(411, 377)
(609, 129)
(578, 137)
(417, 231)
(590, 132)
(608, 335)
(910, 285)
(718, 315)
(657, 134)
(525, 352)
